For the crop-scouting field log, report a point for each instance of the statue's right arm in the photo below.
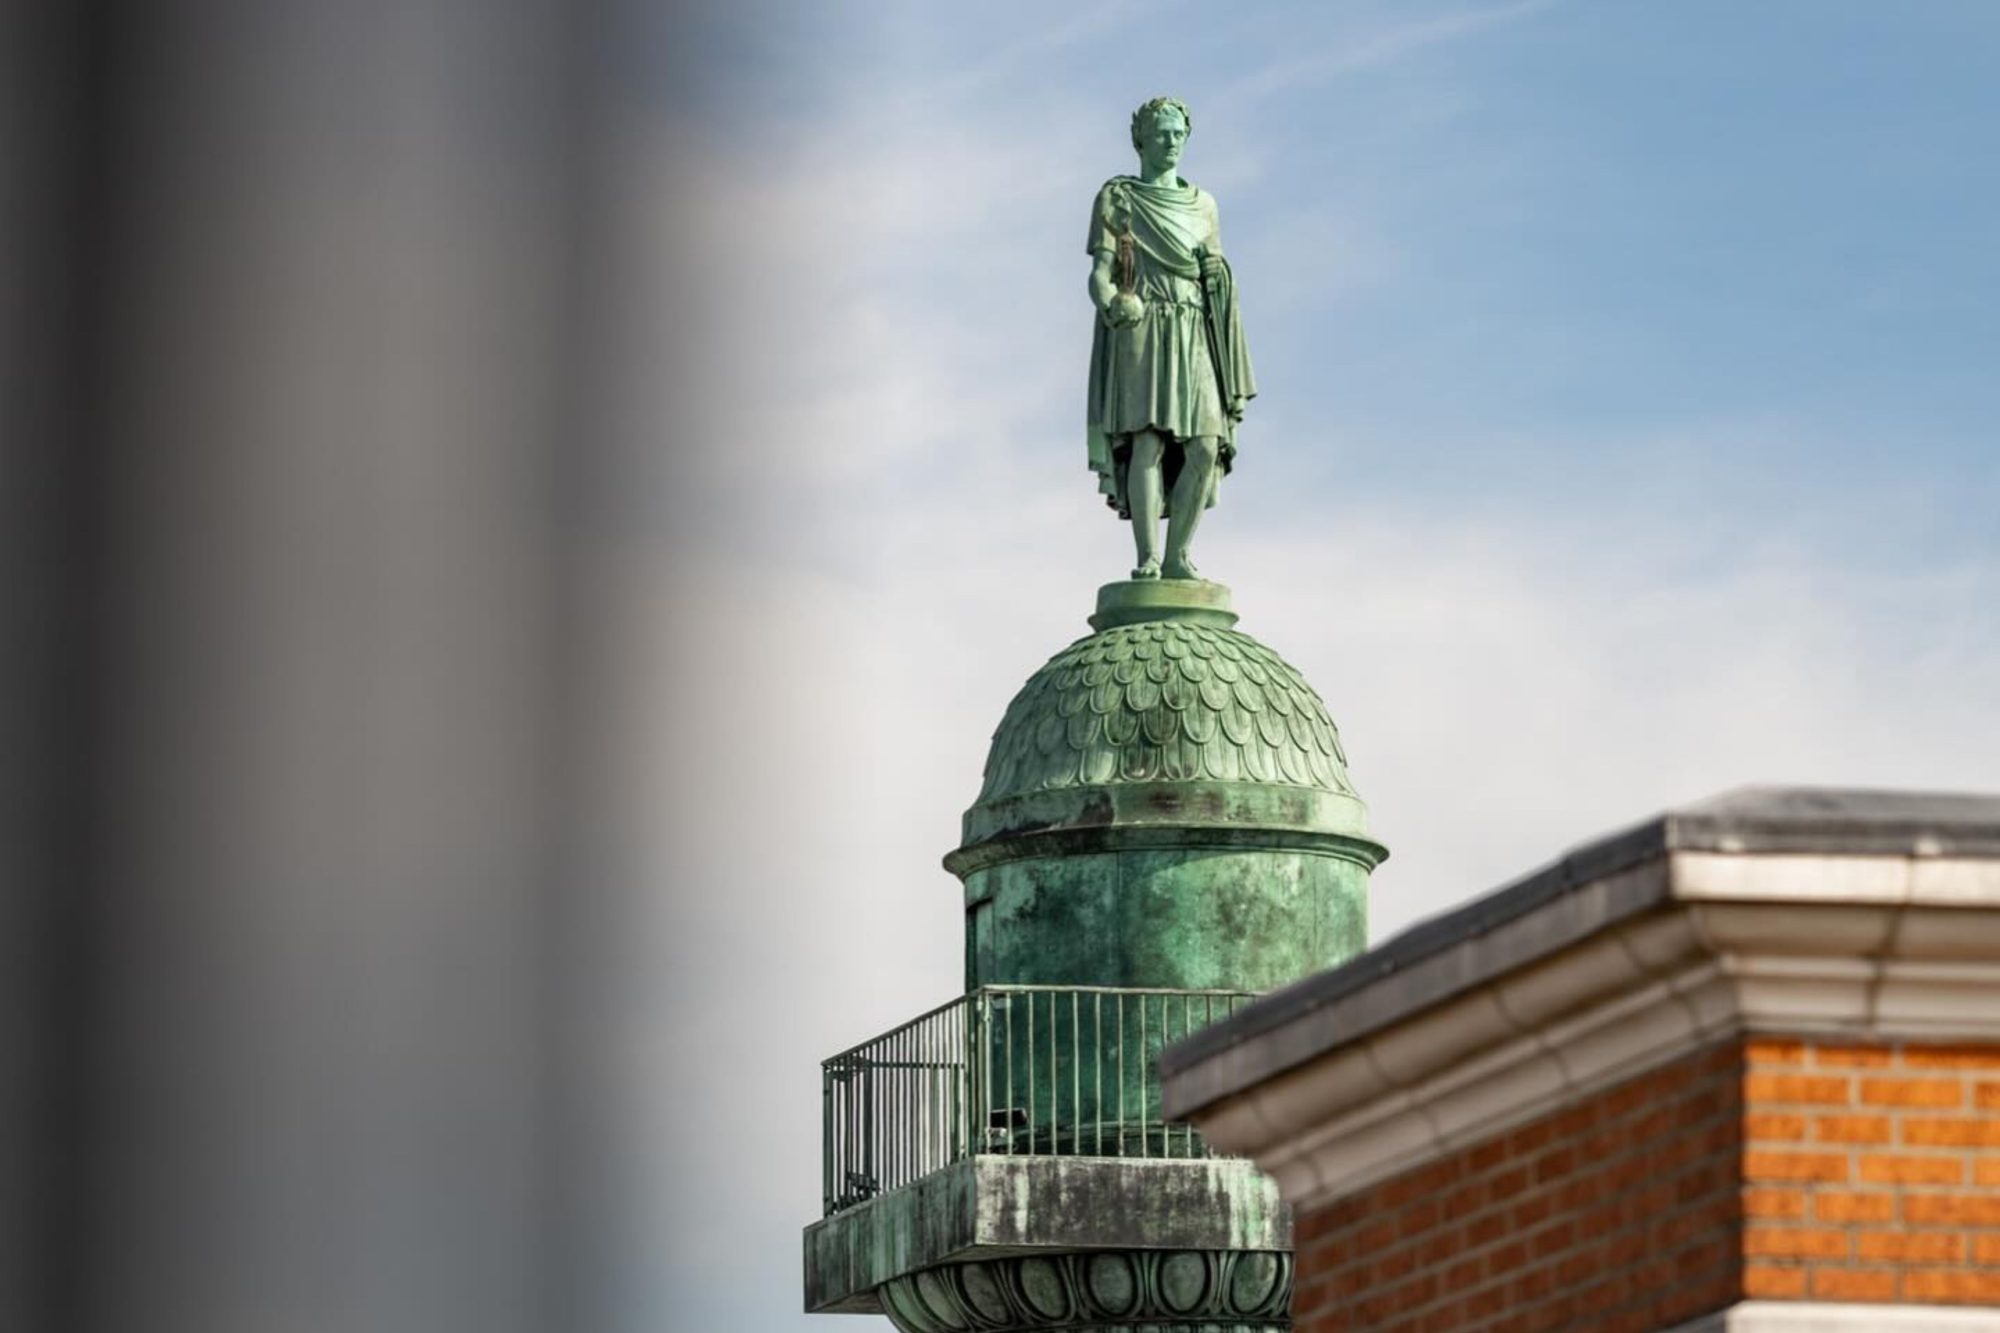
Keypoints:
(1102, 286)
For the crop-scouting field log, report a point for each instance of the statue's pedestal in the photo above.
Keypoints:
(1192, 601)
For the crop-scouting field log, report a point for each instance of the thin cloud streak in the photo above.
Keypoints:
(1375, 50)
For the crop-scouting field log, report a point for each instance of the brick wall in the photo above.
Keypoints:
(1767, 1169)
(1872, 1173)
(1620, 1214)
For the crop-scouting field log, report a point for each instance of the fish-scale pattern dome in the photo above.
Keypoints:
(1163, 701)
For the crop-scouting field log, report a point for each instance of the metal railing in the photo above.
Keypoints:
(1066, 1071)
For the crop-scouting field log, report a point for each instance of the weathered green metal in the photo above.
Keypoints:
(1169, 373)
(1166, 804)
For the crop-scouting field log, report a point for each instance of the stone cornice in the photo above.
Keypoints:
(1590, 984)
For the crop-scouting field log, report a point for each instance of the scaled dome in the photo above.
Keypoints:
(1164, 701)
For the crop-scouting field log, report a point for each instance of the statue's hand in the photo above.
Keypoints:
(1124, 310)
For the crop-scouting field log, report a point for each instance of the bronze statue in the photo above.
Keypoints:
(1169, 374)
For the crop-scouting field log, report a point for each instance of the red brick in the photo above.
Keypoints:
(1952, 1057)
(1531, 1210)
(1840, 1206)
(1574, 1268)
(1974, 1210)
(1553, 1240)
(1524, 1141)
(1830, 1167)
(1463, 1274)
(1811, 1089)
(1952, 1132)
(1949, 1286)
(1939, 1092)
(1852, 1129)
(1840, 1284)
(1769, 1242)
(1770, 1051)
(1774, 1126)
(1911, 1247)
(1902, 1169)
(1419, 1217)
(1484, 1229)
(1553, 1164)
(1852, 1057)
(1377, 1235)
(1768, 1283)
(1506, 1259)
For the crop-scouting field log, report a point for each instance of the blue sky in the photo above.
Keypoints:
(1627, 434)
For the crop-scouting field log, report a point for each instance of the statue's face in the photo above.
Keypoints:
(1160, 143)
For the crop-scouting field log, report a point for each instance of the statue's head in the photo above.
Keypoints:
(1159, 130)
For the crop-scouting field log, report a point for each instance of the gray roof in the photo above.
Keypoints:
(1819, 820)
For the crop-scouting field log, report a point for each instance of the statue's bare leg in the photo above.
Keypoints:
(1142, 490)
(1190, 498)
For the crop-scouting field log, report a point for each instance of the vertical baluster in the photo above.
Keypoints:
(1097, 1063)
(961, 1073)
(1075, 1074)
(1121, 1073)
(1187, 1027)
(1055, 1077)
(866, 1098)
(1034, 1098)
(906, 1127)
(1012, 1096)
(899, 1081)
(985, 1103)
(1145, 1078)
(1207, 1020)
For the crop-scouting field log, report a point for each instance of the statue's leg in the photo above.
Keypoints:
(1190, 498)
(1142, 491)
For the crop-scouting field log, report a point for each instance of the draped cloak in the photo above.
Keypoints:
(1183, 369)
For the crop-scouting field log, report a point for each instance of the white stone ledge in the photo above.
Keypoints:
(1829, 1317)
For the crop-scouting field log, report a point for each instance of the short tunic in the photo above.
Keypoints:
(1157, 374)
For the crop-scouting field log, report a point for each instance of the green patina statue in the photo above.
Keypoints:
(1169, 374)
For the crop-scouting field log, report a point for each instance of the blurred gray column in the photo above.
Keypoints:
(290, 321)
